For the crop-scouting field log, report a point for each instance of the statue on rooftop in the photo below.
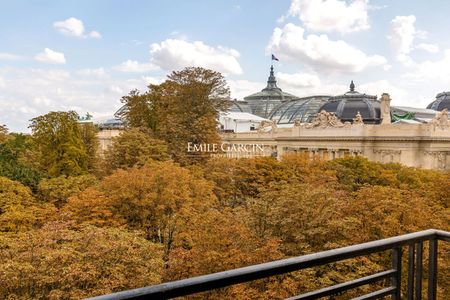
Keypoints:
(265, 126)
(333, 120)
(325, 119)
(358, 120)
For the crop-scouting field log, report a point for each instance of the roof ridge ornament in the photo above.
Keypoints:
(352, 87)
(271, 81)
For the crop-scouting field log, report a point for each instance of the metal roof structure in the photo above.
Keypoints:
(347, 106)
(442, 101)
(302, 109)
(262, 103)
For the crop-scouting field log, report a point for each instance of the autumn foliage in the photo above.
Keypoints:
(75, 224)
(160, 222)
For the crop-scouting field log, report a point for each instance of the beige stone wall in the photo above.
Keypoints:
(105, 138)
(417, 145)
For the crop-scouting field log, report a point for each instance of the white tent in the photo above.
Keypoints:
(239, 121)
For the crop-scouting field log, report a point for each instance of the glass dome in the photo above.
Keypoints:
(239, 106)
(442, 101)
(262, 103)
(302, 109)
(348, 105)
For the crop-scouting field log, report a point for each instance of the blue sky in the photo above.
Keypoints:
(85, 55)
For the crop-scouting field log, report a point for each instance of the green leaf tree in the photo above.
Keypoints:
(3, 133)
(57, 138)
(15, 163)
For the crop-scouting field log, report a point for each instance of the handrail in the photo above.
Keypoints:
(226, 278)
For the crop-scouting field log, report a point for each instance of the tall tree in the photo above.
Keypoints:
(137, 110)
(3, 133)
(91, 143)
(182, 109)
(57, 137)
(186, 108)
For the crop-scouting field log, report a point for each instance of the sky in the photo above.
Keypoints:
(85, 55)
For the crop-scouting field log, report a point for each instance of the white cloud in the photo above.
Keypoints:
(324, 88)
(241, 88)
(152, 80)
(33, 92)
(47, 77)
(133, 66)
(398, 95)
(173, 54)
(10, 56)
(71, 27)
(432, 48)
(319, 52)
(437, 70)
(298, 79)
(50, 56)
(98, 72)
(402, 35)
(74, 27)
(309, 85)
(95, 35)
(331, 15)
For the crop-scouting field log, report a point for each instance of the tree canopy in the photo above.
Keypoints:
(134, 147)
(58, 262)
(182, 109)
(16, 162)
(76, 224)
(59, 144)
(160, 221)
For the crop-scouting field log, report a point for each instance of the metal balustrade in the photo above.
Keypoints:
(413, 242)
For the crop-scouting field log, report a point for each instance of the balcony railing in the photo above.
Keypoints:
(413, 241)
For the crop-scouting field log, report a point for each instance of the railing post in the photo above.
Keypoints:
(411, 262)
(397, 278)
(432, 269)
(419, 262)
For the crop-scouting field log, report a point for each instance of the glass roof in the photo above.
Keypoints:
(303, 109)
(239, 106)
(348, 105)
(262, 103)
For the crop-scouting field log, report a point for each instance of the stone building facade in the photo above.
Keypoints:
(416, 145)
